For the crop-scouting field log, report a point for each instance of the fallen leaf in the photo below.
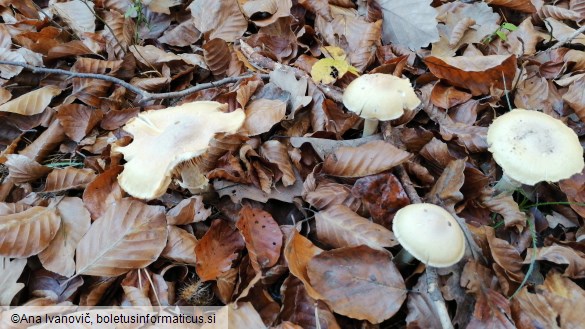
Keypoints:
(261, 115)
(223, 19)
(75, 221)
(298, 252)
(411, 24)
(262, 236)
(180, 246)
(188, 211)
(368, 159)
(560, 255)
(68, 179)
(28, 232)
(339, 226)
(10, 271)
(358, 282)
(217, 250)
(129, 235)
(22, 169)
(33, 102)
(476, 73)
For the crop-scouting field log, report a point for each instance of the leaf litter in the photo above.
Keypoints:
(285, 214)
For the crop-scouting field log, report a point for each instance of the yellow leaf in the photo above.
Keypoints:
(327, 70)
(334, 52)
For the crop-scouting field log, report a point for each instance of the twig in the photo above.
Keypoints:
(144, 95)
(569, 38)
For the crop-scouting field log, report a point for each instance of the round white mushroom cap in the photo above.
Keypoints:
(380, 96)
(430, 234)
(531, 147)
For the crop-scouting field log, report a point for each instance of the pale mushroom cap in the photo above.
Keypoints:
(430, 234)
(164, 138)
(531, 147)
(380, 96)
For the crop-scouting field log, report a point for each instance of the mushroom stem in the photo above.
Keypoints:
(370, 127)
(437, 298)
(507, 184)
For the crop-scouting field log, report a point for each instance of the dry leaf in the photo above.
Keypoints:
(77, 14)
(561, 255)
(358, 282)
(339, 227)
(476, 73)
(10, 271)
(217, 250)
(222, 19)
(22, 169)
(262, 236)
(261, 115)
(33, 102)
(188, 211)
(75, 221)
(180, 246)
(411, 24)
(130, 235)
(298, 252)
(28, 232)
(368, 159)
(68, 179)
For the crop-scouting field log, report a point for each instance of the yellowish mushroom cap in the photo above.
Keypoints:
(380, 96)
(430, 234)
(531, 147)
(164, 138)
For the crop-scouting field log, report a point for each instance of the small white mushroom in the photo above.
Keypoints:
(377, 97)
(430, 234)
(532, 147)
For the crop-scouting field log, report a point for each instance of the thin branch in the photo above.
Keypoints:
(569, 39)
(144, 95)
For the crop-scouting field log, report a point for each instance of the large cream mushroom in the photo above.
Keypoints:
(532, 147)
(377, 97)
(430, 234)
(165, 138)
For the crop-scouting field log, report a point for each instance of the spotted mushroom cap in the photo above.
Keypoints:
(531, 147)
(380, 96)
(430, 234)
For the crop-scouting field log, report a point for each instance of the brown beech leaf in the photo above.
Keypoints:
(330, 194)
(368, 159)
(475, 73)
(556, 304)
(575, 98)
(277, 154)
(188, 211)
(9, 71)
(180, 246)
(561, 255)
(574, 188)
(102, 192)
(217, 56)
(446, 97)
(79, 16)
(75, 221)
(68, 179)
(261, 115)
(299, 308)
(262, 235)
(222, 19)
(259, 8)
(33, 102)
(403, 27)
(324, 147)
(358, 282)
(182, 35)
(120, 33)
(91, 91)
(71, 48)
(78, 120)
(558, 13)
(421, 311)
(29, 232)
(298, 251)
(505, 205)
(129, 235)
(492, 310)
(524, 6)
(446, 190)
(10, 271)
(339, 227)
(22, 169)
(382, 195)
(505, 255)
(217, 250)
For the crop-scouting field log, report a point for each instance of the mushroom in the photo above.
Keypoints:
(377, 97)
(531, 147)
(165, 138)
(430, 234)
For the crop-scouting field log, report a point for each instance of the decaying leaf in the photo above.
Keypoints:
(339, 227)
(412, 24)
(262, 236)
(33, 102)
(368, 159)
(129, 235)
(358, 282)
(10, 271)
(216, 251)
